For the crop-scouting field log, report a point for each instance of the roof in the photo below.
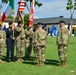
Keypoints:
(54, 20)
(9, 20)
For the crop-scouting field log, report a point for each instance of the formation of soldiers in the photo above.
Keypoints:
(26, 39)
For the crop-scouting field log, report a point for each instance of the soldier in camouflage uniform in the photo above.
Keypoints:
(2, 42)
(20, 41)
(62, 43)
(28, 42)
(34, 44)
(40, 40)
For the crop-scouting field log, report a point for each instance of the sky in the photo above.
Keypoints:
(50, 8)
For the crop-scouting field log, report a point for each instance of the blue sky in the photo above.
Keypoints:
(50, 8)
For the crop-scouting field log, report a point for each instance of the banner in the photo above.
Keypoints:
(31, 17)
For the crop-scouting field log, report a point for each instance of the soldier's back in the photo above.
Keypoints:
(42, 36)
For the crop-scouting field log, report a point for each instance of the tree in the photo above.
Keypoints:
(4, 1)
(37, 3)
(26, 20)
(70, 6)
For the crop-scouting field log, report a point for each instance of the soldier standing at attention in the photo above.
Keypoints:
(2, 42)
(28, 42)
(62, 43)
(20, 41)
(34, 44)
(40, 40)
(10, 41)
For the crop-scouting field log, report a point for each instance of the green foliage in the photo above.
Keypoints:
(26, 20)
(4, 1)
(11, 17)
(37, 3)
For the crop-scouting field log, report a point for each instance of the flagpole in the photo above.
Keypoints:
(13, 25)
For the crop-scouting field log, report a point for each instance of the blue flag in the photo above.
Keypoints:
(56, 31)
(4, 28)
(52, 29)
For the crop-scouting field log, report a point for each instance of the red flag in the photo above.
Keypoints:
(20, 10)
(31, 18)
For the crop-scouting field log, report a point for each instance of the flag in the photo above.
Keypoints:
(44, 26)
(56, 31)
(11, 3)
(19, 14)
(31, 17)
(20, 9)
(4, 28)
(52, 29)
(7, 12)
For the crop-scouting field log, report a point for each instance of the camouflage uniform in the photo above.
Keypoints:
(41, 37)
(2, 42)
(28, 42)
(20, 41)
(62, 43)
(34, 46)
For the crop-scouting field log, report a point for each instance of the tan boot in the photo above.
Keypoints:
(21, 60)
(64, 65)
(39, 64)
(42, 63)
(61, 64)
(18, 60)
(1, 61)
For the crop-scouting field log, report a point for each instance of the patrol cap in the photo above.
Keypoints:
(39, 23)
(19, 22)
(62, 21)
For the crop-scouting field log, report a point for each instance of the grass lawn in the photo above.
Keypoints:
(50, 67)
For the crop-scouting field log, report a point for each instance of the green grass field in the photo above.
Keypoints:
(50, 67)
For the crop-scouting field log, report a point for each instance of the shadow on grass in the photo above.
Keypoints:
(52, 62)
(29, 62)
(4, 58)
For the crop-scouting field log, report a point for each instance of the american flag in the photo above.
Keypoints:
(20, 9)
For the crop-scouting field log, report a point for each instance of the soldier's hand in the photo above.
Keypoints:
(13, 38)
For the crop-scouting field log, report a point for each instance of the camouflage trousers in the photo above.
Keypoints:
(62, 52)
(1, 50)
(41, 53)
(28, 49)
(19, 48)
(35, 50)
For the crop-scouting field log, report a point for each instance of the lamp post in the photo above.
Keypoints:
(71, 6)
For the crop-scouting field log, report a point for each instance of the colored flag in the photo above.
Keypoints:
(11, 3)
(7, 12)
(56, 31)
(4, 28)
(31, 17)
(44, 26)
(52, 29)
(20, 9)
